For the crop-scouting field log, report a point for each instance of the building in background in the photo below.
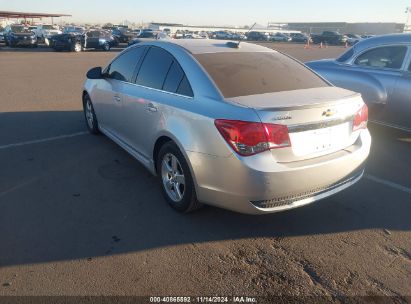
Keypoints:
(174, 27)
(293, 27)
(366, 28)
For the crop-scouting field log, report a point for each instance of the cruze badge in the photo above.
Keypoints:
(283, 117)
(329, 113)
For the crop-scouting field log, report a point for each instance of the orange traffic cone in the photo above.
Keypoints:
(307, 46)
(321, 45)
(346, 44)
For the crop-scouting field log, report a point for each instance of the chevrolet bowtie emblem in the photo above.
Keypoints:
(329, 113)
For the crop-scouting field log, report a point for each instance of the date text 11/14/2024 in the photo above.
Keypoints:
(203, 299)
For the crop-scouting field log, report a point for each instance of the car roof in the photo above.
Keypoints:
(383, 40)
(203, 46)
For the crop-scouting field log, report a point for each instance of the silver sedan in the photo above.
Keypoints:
(380, 69)
(240, 127)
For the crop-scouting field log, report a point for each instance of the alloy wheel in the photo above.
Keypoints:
(77, 47)
(89, 114)
(173, 177)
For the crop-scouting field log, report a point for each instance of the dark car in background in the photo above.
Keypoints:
(257, 36)
(1, 34)
(329, 37)
(93, 39)
(19, 35)
(299, 37)
(73, 30)
(67, 42)
(123, 34)
(279, 37)
(149, 36)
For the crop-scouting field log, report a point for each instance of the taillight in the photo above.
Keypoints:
(361, 119)
(249, 138)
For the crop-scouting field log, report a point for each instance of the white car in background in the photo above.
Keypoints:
(45, 31)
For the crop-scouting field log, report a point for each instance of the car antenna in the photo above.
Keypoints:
(237, 45)
(246, 35)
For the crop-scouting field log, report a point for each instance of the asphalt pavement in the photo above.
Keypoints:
(81, 217)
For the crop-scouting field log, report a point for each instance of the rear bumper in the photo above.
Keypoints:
(259, 184)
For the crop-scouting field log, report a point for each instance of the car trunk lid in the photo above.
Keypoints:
(319, 120)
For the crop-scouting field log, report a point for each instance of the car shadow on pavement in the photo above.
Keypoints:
(83, 196)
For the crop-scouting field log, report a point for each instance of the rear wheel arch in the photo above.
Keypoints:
(160, 142)
(187, 201)
(85, 93)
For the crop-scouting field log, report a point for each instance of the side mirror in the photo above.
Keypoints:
(95, 73)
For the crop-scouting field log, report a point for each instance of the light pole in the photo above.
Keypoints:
(408, 12)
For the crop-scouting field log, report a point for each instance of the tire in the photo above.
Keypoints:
(77, 47)
(106, 47)
(90, 115)
(173, 173)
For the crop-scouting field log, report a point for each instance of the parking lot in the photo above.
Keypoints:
(79, 216)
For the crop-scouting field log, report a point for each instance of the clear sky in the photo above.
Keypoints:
(217, 12)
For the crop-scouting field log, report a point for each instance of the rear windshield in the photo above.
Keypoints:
(243, 74)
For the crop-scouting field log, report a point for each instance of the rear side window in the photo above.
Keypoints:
(246, 73)
(174, 77)
(389, 57)
(347, 55)
(154, 68)
(184, 88)
(122, 68)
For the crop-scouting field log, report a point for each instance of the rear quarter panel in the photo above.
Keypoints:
(354, 79)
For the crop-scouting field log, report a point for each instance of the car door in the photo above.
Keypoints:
(92, 40)
(384, 65)
(109, 91)
(160, 83)
(401, 100)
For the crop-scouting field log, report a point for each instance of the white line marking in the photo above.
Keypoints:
(37, 141)
(388, 183)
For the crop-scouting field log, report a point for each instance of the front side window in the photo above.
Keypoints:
(154, 68)
(409, 68)
(389, 57)
(122, 68)
(161, 71)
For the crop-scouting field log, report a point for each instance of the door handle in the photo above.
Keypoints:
(117, 98)
(151, 107)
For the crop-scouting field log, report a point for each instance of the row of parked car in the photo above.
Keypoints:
(327, 37)
(75, 38)
(71, 38)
